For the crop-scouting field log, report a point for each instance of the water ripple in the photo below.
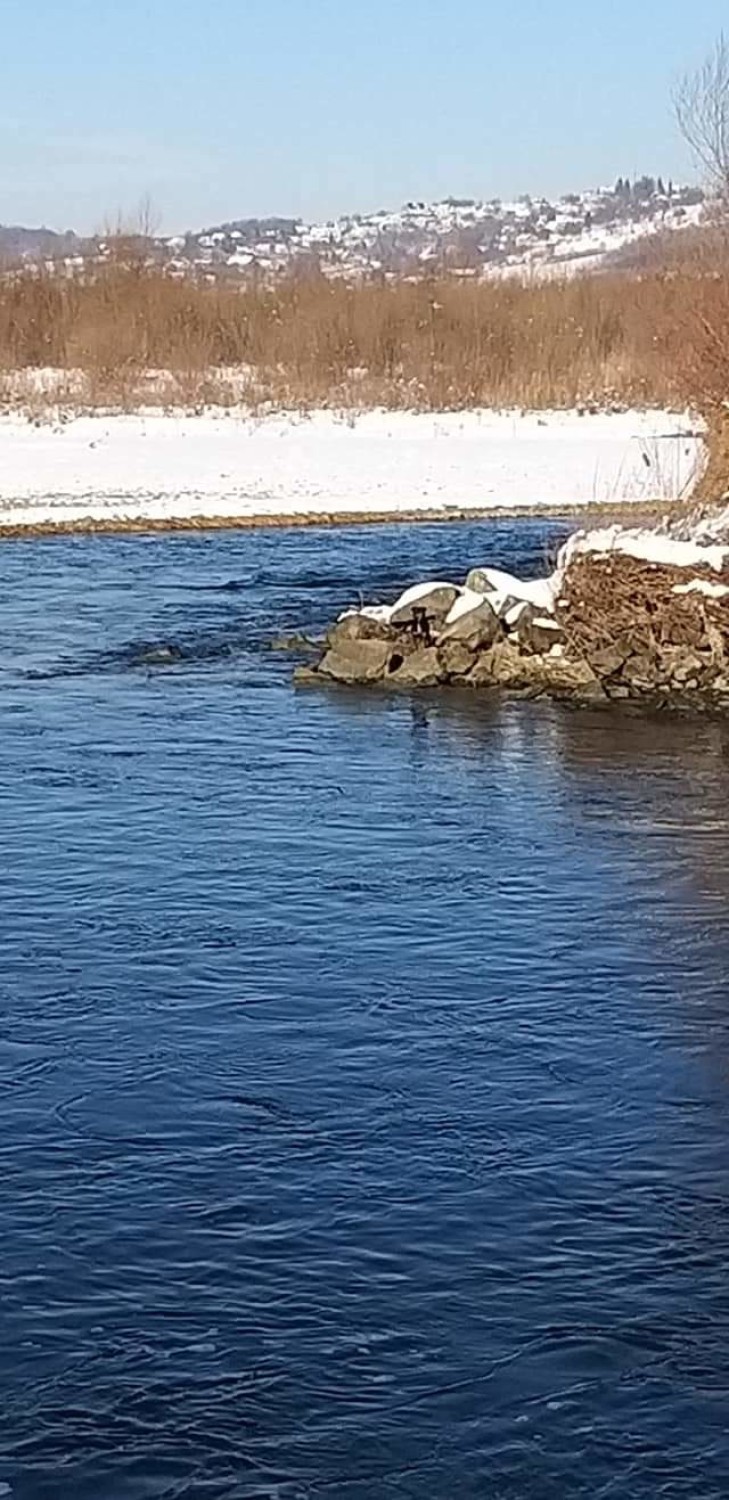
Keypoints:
(363, 1061)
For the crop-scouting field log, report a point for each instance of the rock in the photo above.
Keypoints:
(359, 661)
(294, 643)
(681, 664)
(478, 627)
(563, 675)
(505, 666)
(511, 590)
(607, 662)
(158, 656)
(502, 666)
(467, 600)
(643, 672)
(514, 615)
(478, 581)
(456, 657)
(589, 692)
(357, 627)
(306, 677)
(538, 633)
(431, 601)
(422, 668)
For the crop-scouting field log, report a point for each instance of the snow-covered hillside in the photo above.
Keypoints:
(461, 237)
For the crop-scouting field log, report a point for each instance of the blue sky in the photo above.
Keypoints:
(239, 107)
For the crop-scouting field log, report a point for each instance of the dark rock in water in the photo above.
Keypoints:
(563, 676)
(158, 656)
(293, 643)
(359, 661)
(506, 666)
(357, 628)
(432, 604)
(478, 628)
(422, 668)
(502, 666)
(306, 677)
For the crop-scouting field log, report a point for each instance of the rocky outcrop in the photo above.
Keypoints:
(422, 668)
(476, 627)
(604, 628)
(357, 627)
(359, 661)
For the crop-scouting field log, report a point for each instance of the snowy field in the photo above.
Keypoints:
(157, 466)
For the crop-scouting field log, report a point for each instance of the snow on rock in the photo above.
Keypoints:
(378, 612)
(515, 613)
(503, 590)
(435, 599)
(467, 600)
(419, 594)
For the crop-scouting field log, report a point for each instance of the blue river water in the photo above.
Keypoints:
(364, 1060)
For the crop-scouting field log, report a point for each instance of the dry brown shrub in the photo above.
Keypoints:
(606, 598)
(441, 344)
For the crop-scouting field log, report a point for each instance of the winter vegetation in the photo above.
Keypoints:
(129, 335)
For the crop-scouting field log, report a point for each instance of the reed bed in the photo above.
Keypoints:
(129, 333)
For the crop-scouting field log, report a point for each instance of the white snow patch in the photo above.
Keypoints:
(467, 601)
(156, 465)
(702, 586)
(379, 612)
(513, 615)
(537, 591)
(647, 546)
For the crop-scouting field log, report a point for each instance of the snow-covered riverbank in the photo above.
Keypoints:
(160, 466)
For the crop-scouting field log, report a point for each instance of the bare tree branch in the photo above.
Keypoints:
(701, 107)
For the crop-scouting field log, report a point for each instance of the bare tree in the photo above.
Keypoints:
(701, 107)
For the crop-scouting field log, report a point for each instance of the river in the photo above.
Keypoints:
(364, 1059)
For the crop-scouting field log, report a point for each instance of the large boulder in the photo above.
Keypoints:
(502, 666)
(563, 676)
(538, 633)
(474, 624)
(457, 658)
(608, 661)
(357, 627)
(359, 661)
(429, 601)
(422, 668)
